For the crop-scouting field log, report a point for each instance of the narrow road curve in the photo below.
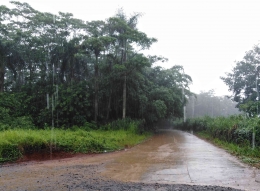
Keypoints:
(169, 157)
(178, 157)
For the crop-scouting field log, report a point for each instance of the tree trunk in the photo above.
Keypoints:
(96, 90)
(2, 74)
(30, 73)
(124, 98)
(108, 105)
(124, 86)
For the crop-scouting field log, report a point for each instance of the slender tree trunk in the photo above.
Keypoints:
(30, 73)
(96, 90)
(72, 69)
(2, 74)
(110, 91)
(124, 86)
(124, 98)
(1, 79)
(116, 108)
(109, 104)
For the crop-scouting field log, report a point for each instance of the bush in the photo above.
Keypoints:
(127, 124)
(9, 152)
(14, 143)
(9, 122)
(233, 129)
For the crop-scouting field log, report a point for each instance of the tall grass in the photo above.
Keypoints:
(126, 124)
(16, 142)
(234, 133)
(233, 129)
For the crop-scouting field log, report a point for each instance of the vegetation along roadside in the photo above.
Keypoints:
(66, 83)
(14, 143)
(233, 133)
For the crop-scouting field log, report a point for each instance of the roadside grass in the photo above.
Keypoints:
(243, 152)
(233, 133)
(16, 142)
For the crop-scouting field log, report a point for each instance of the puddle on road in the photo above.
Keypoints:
(134, 163)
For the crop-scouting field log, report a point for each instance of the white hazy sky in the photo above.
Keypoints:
(205, 36)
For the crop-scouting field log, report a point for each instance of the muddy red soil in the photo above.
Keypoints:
(162, 163)
(45, 155)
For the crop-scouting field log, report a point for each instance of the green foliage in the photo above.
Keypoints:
(127, 124)
(250, 107)
(196, 124)
(233, 129)
(15, 143)
(244, 152)
(5, 116)
(243, 82)
(73, 107)
(11, 104)
(159, 108)
(83, 68)
(234, 133)
(10, 113)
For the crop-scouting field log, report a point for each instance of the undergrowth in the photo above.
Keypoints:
(233, 133)
(16, 142)
(245, 153)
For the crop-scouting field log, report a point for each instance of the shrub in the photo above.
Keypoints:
(233, 129)
(14, 143)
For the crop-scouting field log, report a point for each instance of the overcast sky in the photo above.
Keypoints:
(205, 36)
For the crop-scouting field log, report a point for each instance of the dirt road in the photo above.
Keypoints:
(171, 160)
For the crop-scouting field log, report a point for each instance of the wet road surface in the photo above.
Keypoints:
(171, 157)
(178, 157)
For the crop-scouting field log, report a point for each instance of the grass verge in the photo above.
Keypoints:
(15, 143)
(244, 153)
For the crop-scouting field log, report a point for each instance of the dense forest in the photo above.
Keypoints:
(61, 71)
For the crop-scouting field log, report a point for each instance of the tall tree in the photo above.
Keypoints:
(96, 42)
(92, 70)
(4, 45)
(243, 81)
(127, 35)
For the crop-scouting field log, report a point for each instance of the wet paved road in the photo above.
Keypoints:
(172, 157)
(178, 157)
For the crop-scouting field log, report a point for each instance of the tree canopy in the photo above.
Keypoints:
(65, 71)
(243, 82)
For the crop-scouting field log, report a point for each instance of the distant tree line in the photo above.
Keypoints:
(207, 104)
(62, 71)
